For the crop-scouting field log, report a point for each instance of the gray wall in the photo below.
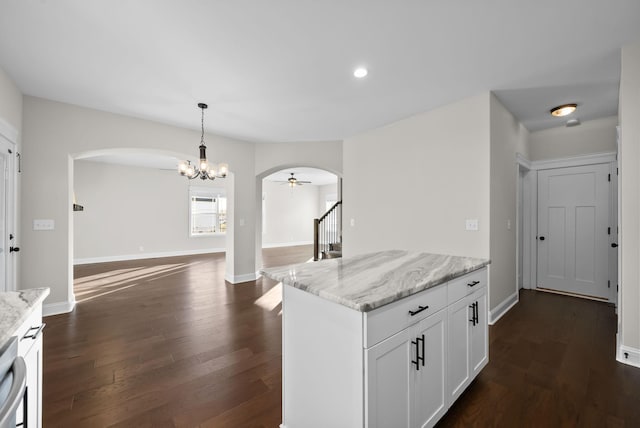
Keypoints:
(10, 102)
(134, 212)
(593, 136)
(508, 137)
(289, 214)
(630, 198)
(412, 184)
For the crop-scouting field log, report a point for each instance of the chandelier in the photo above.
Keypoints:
(204, 169)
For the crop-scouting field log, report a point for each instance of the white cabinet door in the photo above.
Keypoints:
(33, 399)
(479, 332)
(430, 397)
(459, 376)
(388, 368)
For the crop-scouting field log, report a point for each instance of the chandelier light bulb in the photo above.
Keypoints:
(223, 169)
(182, 167)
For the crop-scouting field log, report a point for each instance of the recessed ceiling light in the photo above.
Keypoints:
(563, 110)
(360, 72)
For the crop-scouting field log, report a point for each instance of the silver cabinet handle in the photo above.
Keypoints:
(16, 393)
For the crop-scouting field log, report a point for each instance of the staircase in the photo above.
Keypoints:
(327, 234)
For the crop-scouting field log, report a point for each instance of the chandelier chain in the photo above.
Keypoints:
(202, 127)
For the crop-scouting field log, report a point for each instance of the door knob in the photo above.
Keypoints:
(14, 249)
(614, 245)
(541, 238)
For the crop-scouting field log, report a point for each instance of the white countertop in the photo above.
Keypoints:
(368, 281)
(15, 307)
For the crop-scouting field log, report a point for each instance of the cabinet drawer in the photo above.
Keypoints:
(394, 317)
(467, 284)
(29, 331)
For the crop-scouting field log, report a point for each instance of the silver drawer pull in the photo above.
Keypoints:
(35, 335)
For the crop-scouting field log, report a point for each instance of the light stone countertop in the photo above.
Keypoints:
(368, 281)
(15, 307)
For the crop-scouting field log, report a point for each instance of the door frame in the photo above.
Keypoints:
(530, 204)
(10, 134)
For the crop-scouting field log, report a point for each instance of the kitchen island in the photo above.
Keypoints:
(387, 339)
(21, 316)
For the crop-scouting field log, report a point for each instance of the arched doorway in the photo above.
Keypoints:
(288, 199)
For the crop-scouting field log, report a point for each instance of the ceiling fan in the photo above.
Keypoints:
(293, 181)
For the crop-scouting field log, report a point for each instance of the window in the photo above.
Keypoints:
(208, 212)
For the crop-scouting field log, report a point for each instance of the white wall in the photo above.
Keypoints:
(272, 157)
(323, 193)
(593, 136)
(289, 214)
(629, 241)
(508, 137)
(55, 133)
(10, 102)
(126, 208)
(411, 184)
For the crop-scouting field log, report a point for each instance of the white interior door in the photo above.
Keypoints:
(7, 205)
(573, 240)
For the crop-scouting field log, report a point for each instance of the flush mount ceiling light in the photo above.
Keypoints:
(360, 72)
(563, 110)
(204, 170)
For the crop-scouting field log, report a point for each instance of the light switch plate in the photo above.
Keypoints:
(43, 224)
(471, 224)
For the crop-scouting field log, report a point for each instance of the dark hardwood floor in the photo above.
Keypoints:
(167, 343)
(552, 364)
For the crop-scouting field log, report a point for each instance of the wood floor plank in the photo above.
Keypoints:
(168, 343)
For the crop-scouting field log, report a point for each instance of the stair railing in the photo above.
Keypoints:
(327, 231)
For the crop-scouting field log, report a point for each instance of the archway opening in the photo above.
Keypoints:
(289, 199)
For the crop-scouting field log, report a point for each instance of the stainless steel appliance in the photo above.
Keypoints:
(13, 377)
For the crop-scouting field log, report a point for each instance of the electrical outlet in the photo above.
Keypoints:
(471, 224)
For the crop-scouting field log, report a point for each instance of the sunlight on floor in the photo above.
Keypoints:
(88, 288)
(271, 299)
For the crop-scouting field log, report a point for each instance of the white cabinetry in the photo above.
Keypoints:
(30, 348)
(390, 382)
(398, 366)
(408, 395)
(468, 338)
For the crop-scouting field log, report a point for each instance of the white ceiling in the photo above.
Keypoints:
(280, 70)
(317, 177)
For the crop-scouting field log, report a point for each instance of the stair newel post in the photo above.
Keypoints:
(316, 244)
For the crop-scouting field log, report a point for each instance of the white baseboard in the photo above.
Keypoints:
(237, 279)
(57, 308)
(287, 244)
(503, 308)
(628, 355)
(142, 256)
